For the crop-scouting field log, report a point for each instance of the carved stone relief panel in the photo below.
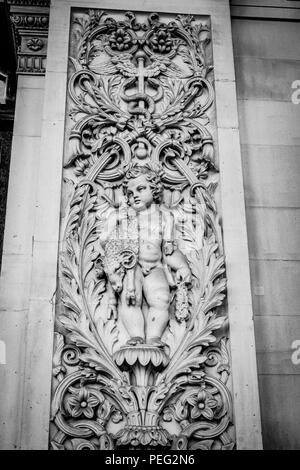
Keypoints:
(141, 347)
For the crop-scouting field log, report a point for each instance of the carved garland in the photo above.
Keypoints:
(141, 95)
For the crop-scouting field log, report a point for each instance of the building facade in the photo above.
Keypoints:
(181, 332)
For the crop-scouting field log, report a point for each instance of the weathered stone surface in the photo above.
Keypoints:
(270, 175)
(267, 62)
(279, 396)
(269, 40)
(265, 79)
(29, 107)
(17, 259)
(273, 233)
(274, 341)
(275, 287)
(269, 122)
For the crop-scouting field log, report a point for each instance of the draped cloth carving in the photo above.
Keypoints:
(141, 348)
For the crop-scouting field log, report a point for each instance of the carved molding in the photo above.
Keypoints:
(31, 3)
(141, 348)
(30, 21)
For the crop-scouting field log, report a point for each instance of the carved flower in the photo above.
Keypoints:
(161, 40)
(35, 44)
(202, 404)
(120, 40)
(81, 403)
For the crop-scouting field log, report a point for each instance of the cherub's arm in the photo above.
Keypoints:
(177, 261)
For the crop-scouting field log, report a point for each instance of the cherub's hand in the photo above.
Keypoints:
(168, 248)
(112, 312)
(183, 275)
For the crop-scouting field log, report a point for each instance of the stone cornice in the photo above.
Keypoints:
(34, 3)
(30, 20)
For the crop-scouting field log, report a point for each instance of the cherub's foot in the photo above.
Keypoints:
(156, 341)
(135, 340)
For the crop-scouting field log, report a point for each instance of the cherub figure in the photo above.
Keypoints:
(148, 257)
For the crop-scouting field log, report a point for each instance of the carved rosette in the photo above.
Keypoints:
(140, 96)
(30, 21)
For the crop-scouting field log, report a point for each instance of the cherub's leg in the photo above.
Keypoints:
(157, 294)
(131, 315)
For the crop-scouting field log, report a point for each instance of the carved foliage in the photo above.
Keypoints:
(140, 94)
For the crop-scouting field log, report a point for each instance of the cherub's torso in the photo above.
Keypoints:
(149, 228)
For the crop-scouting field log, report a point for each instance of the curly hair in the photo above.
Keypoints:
(152, 176)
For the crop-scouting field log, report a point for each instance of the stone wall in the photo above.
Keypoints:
(267, 61)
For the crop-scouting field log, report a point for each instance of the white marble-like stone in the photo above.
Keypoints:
(49, 182)
(15, 282)
(226, 104)
(37, 375)
(55, 97)
(13, 333)
(21, 195)
(242, 340)
(29, 105)
(15, 279)
(43, 286)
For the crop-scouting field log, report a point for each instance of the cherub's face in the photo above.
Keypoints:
(139, 193)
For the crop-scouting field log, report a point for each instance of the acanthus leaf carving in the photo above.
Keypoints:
(141, 357)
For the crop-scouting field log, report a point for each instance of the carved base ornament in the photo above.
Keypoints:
(141, 357)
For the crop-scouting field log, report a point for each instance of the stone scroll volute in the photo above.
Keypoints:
(141, 356)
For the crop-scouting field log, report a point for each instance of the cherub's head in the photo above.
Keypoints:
(142, 186)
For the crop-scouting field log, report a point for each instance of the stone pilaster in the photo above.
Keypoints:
(30, 25)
